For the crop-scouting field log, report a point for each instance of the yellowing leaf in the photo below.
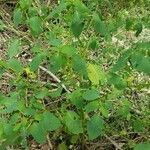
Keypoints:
(29, 73)
(95, 74)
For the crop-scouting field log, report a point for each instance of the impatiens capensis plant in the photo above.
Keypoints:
(74, 74)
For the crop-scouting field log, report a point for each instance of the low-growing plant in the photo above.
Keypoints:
(67, 77)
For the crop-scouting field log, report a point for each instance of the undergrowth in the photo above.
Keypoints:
(74, 74)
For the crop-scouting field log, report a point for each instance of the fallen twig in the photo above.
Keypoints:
(55, 78)
(49, 142)
(113, 142)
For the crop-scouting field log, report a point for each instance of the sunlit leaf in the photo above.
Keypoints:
(91, 95)
(96, 74)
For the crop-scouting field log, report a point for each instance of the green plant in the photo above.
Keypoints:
(81, 98)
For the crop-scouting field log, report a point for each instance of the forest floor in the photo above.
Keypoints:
(125, 40)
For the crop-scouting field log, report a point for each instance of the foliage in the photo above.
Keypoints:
(62, 37)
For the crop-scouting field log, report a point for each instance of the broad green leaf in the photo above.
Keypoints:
(37, 105)
(96, 74)
(36, 61)
(55, 42)
(9, 133)
(80, 7)
(105, 107)
(35, 24)
(79, 65)
(14, 48)
(68, 50)
(57, 10)
(100, 26)
(42, 93)
(95, 127)
(10, 103)
(53, 39)
(44, 11)
(15, 65)
(104, 111)
(38, 132)
(29, 111)
(138, 27)
(145, 45)
(12, 107)
(57, 62)
(17, 17)
(93, 44)
(14, 119)
(142, 146)
(25, 4)
(117, 81)
(92, 106)
(36, 48)
(129, 23)
(91, 95)
(122, 60)
(56, 93)
(76, 98)
(144, 65)
(125, 109)
(141, 63)
(32, 11)
(77, 24)
(136, 59)
(73, 123)
(50, 122)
